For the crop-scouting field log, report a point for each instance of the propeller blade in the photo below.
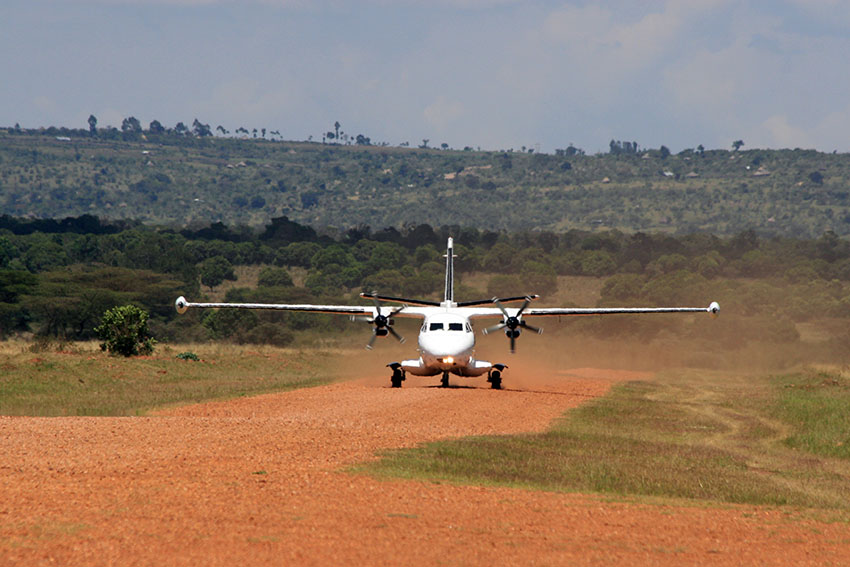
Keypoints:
(501, 308)
(525, 325)
(398, 337)
(498, 327)
(524, 305)
(372, 340)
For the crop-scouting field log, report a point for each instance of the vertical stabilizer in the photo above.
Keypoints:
(449, 296)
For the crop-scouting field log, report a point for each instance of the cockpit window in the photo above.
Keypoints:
(435, 327)
(455, 326)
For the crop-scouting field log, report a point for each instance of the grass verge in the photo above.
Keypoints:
(707, 436)
(81, 380)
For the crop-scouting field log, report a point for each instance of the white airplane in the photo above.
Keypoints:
(446, 339)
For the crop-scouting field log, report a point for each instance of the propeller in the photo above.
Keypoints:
(512, 323)
(382, 323)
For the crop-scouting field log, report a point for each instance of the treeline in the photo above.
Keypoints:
(59, 283)
(188, 181)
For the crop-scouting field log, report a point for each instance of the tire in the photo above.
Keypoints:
(495, 380)
(397, 378)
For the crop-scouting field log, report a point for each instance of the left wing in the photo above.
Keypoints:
(714, 309)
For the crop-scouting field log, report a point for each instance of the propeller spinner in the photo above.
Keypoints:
(512, 323)
(382, 323)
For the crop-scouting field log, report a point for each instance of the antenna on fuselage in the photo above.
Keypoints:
(449, 296)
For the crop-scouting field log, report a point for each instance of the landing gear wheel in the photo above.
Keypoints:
(445, 381)
(397, 378)
(495, 380)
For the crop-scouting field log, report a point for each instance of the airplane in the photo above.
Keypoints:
(446, 338)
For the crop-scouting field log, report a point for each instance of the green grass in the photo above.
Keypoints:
(816, 405)
(85, 381)
(696, 435)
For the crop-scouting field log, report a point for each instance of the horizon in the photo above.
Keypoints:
(493, 74)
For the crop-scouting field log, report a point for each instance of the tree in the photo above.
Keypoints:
(215, 270)
(124, 331)
(274, 277)
(736, 145)
(200, 129)
(131, 125)
(92, 125)
(156, 127)
(336, 129)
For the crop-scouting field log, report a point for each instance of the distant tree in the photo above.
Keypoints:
(215, 270)
(221, 129)
(92, 125)
(274, 277)
(156, 127)
(181, 129)
(701, 149)
(200, 129)
(664, 151)
(263, 132)
(254, 131)
(444, 145)
(131, 125)
(424, 143)
(816, 177)
(736, 145)
(336, 129)
(362, 140)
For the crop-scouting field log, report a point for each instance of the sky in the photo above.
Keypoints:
(494, 74)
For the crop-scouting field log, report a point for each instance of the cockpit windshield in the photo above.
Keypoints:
(458, 326)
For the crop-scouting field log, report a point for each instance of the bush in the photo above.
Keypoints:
(124, 331)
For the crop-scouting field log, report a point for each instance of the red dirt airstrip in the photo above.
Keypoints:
(258, 481)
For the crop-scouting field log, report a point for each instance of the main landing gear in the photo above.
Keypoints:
(495, 379)
(398, 375)
(445, 381)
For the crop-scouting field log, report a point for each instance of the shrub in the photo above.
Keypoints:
(188, 355)
(124, 331)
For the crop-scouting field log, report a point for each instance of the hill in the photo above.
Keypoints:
(190, 181)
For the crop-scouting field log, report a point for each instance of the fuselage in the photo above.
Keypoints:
(446, 342)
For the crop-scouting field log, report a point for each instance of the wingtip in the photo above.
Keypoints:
(181, 305)
(714, 308)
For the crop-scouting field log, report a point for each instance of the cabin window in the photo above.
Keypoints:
(435, 327)
(455, 326)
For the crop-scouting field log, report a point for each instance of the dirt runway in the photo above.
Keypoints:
(258, 481)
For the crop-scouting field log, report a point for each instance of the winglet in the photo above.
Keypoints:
(714, 309)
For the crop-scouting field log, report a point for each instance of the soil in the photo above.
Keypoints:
(261, 481)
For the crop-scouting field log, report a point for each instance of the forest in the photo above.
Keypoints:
(58, 277)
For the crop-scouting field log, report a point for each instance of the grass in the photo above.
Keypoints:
(815, 403)
(82, 380)
(707, 436)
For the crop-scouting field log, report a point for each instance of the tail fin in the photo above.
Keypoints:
(450, 274)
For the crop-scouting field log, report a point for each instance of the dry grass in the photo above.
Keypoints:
(79, 379)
